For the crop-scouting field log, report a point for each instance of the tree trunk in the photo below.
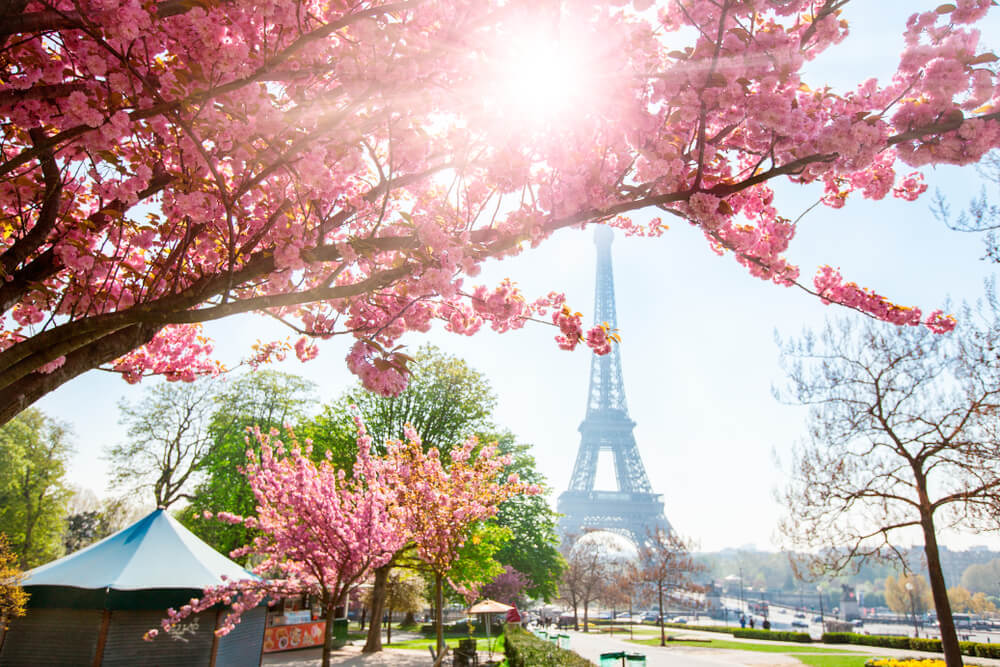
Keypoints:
(388, 627)
(409, 619)
(663, 633)
(576, 618)
(329, 607)
(373, 644)
(949, 638)
(439, 616)
(586, 605)
(364, 612)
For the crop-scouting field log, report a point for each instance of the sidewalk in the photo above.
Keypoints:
(592, 645)
(351, 656)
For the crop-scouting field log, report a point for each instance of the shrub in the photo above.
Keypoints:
(772, 635)
(523, 649)
(917, 644)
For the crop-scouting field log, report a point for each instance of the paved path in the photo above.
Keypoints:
(350, 656)
(591, 646)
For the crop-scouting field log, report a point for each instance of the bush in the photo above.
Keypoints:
(726, 629)
(931, 645)
(772, 635)
(524, 649)
(916, 644)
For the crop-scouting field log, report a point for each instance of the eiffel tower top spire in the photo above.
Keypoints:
(607, 390)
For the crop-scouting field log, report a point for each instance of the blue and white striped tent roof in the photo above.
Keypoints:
(154, 552)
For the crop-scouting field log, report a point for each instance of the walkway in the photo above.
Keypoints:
(350, 656)
(592, 645)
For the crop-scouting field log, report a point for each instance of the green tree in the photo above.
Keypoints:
(33, 455)
(266, 399)
(534, 547)
(983, 577)
(168, 434)
(447, 401)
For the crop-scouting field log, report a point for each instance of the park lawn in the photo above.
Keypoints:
(741, 646)
(482, 644)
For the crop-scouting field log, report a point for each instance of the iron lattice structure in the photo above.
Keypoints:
(633, 510)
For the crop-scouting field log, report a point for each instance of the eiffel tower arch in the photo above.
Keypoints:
(633, 509)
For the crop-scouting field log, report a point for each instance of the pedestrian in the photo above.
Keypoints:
(743, 621)
(751, 622)
(767, 624)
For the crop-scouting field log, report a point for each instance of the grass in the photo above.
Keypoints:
(742, 646)
(808, 655)
(482, 644)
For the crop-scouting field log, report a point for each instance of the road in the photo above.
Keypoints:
(591, 646)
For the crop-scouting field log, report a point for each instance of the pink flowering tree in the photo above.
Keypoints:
(440, 503)
(345, 166)
(507, 587)
(323, 531)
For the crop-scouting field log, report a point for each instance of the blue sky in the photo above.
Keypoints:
(698, 335)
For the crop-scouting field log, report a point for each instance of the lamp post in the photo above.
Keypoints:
(822, 617)
(913, 608)
(742, 608)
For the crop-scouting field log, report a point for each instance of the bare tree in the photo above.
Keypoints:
(168, 435)
(665, 564)
(902, 435)
(590, 561)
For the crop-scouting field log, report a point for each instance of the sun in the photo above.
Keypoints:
(537, 73)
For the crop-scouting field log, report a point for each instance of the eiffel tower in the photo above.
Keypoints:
(633, 509)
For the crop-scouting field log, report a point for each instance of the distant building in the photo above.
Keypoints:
(849, 609)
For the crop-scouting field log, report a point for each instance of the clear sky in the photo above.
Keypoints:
(698, 346)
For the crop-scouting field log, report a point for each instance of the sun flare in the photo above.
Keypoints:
(538, 75)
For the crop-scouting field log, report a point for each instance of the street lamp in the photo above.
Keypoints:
(822, 618)
(742, 608)
(913, 607)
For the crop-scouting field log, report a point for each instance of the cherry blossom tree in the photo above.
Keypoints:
(344, 166)
(441, 502)
(323, 531)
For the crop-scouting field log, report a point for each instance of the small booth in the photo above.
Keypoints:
(292, 624)
(94, 606)
(298, 622)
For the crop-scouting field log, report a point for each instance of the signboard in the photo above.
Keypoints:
(288, 637)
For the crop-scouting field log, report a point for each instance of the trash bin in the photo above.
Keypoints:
(339, 632)
(612, 659)
(635, 659)
(564, 641)
(465, 654)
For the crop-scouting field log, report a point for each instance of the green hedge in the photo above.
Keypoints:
(524, 649)
(725, 629)
(975, 649)
(772, 635)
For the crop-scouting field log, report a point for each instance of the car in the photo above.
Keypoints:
(679, 620)
(817, 619)
(799, 624)
(858, 622)
(651, 616)
(800, 615)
